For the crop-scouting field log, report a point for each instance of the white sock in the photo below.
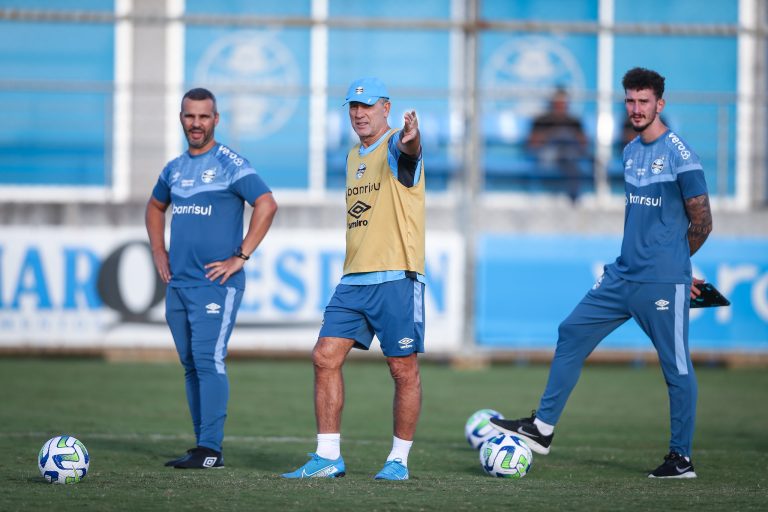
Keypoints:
(329, 446)
(400, 449)
(545, 428)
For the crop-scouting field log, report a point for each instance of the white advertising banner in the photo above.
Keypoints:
(97, 287)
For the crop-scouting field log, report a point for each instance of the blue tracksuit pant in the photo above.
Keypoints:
(201, 320)
(661, 310)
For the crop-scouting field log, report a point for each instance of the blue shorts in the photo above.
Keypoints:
(393, 310)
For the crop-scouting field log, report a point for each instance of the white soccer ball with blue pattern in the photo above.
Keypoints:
(63, 460)
(478, 428)
(506, 456)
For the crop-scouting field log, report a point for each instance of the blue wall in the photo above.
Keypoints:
(526, 285)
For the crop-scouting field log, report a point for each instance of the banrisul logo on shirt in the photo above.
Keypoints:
(642, 200)
(192, 209)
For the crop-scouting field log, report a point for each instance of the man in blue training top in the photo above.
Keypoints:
(667, 219)
(207, 187)
(382, 289)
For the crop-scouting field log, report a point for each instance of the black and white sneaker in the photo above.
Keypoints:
(674, 466)
(525, 428)
(199, 458)
(173, 462)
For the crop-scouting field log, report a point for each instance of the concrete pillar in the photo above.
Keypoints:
(148, 88)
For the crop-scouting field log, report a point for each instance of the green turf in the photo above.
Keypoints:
(133, 417)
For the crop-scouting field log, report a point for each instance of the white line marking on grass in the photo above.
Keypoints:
(182, 437)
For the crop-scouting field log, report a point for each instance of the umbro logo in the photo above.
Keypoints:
(358, 209)
(209, 462)
(405, 343)
(213, 308)
(661, 305)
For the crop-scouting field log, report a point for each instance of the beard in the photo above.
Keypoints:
(641, 128)
(199, 143)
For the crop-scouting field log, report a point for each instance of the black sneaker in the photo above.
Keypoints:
(674, 466)
(173, 462)
(525, 428)
(200, 458)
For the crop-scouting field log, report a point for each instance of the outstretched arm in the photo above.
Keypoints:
(410, 137)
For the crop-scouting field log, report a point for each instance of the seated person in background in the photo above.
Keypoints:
(559, 141)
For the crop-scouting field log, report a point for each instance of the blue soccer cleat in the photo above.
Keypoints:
(393, 470)
(318, 467)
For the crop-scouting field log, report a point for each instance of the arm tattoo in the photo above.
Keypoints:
(700, 216)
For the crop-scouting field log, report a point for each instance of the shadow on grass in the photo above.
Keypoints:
(34, 480)
(266, 461)
(616, 465)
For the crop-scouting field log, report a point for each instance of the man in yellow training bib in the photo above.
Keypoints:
(382, 290)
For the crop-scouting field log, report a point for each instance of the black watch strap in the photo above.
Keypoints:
(242, 256)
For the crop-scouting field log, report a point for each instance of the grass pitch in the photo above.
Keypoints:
(133, 417)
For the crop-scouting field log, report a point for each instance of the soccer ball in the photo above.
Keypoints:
(63, 460)
(478, 427)
(506, 456)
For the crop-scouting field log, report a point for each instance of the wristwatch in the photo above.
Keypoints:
(240, 254)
